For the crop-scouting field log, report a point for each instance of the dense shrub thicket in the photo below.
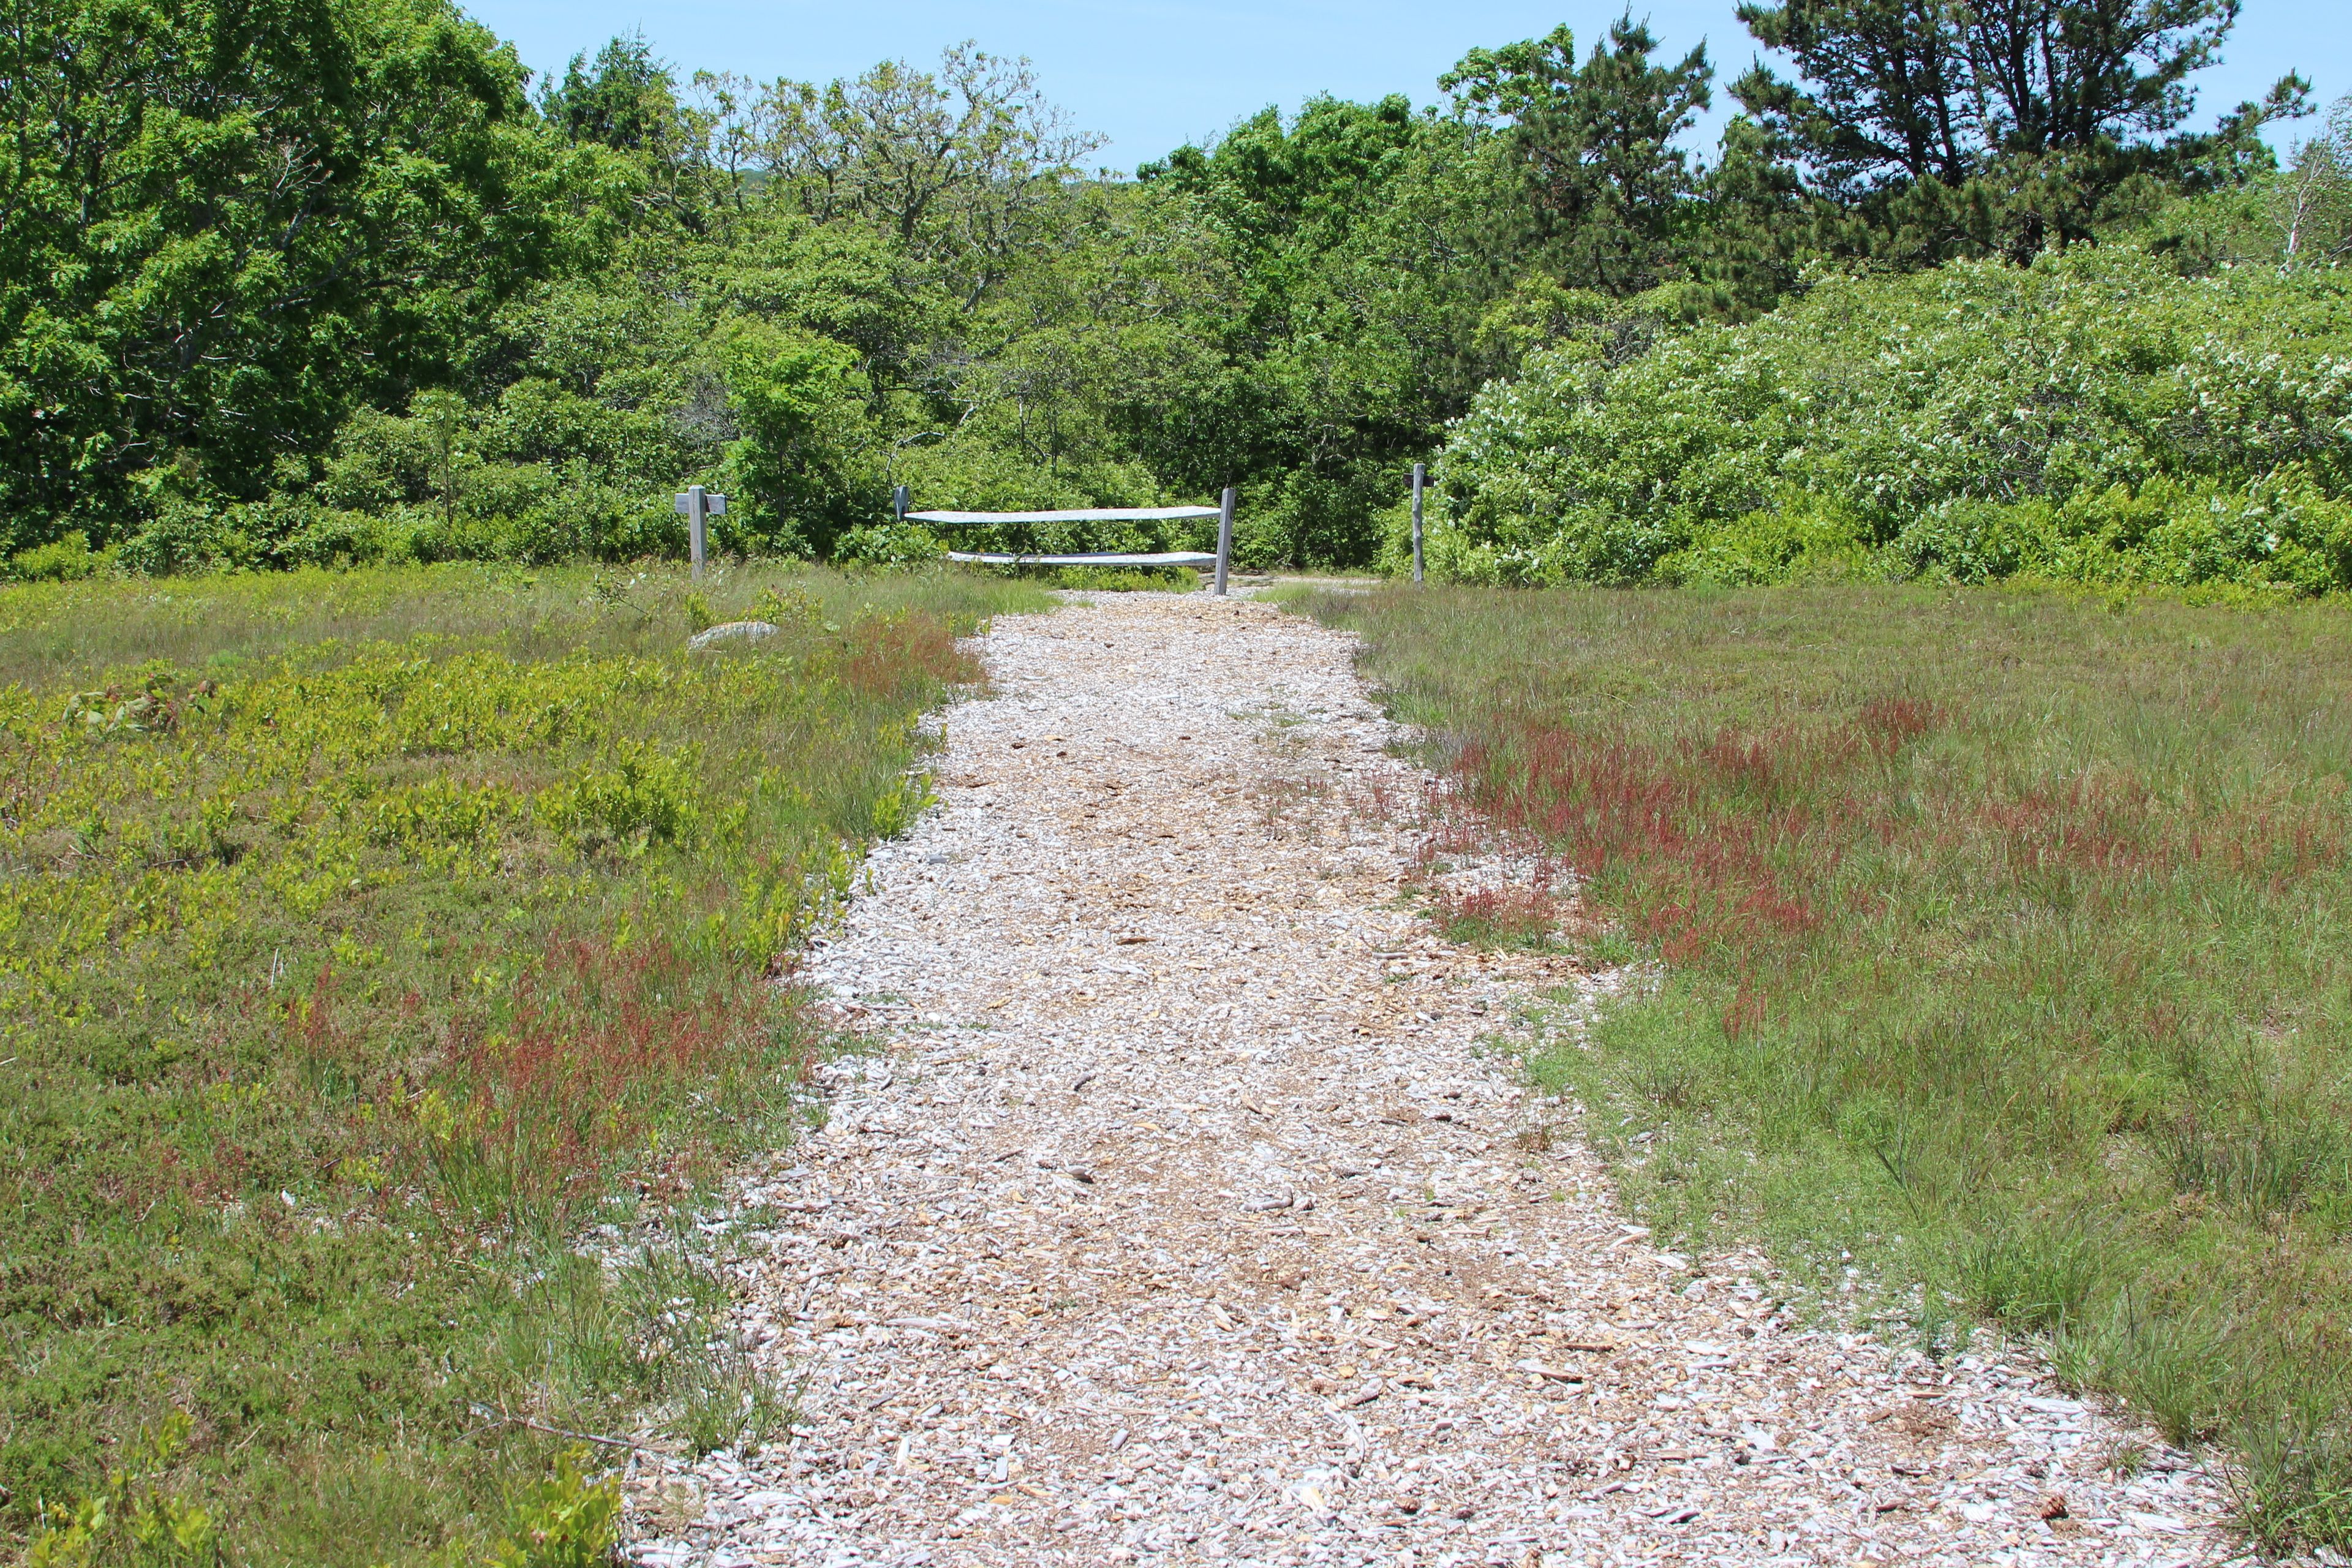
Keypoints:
(2094, 416)
(290, 283)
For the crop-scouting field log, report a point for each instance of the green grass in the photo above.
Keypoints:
(2004, 957)
(369, 936)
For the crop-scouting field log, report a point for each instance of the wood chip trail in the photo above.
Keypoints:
(1180, 1217)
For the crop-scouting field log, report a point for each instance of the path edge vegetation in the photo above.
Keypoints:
(394, 960)
(1991, 953)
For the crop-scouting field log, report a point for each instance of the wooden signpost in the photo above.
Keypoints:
(699, 506)
(1419, 477)
(1224, 536)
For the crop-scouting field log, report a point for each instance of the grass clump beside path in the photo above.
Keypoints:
(2006, 954)
(367, 936)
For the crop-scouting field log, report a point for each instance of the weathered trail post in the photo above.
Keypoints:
(1224, 536)
(699, 506)
(899, 499)
(1419, 477)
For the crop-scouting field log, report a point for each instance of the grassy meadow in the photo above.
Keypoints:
(2002, 956)
(370, 936)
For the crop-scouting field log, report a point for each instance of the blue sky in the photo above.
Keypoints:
(1151, 74)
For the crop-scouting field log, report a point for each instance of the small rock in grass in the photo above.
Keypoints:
(729, 631)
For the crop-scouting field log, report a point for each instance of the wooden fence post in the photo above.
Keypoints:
(697, 505)
(1419, 477)
(1224, 536)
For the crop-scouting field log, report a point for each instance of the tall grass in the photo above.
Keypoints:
(2006, 954)
(365, 937)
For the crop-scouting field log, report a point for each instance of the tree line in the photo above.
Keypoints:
(288, 281)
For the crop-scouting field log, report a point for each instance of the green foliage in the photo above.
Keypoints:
(515, 349)
(2001, 958)
(371, 934)
(628, 104)
(802, 406)
(563, 1520)
(890, 544)
(66, 560)
(135, 1520)
(1952, 130)
(894, 811)
(983, 185)
(229, 229)
(1595, 142)
(646, 799)
(1390, 262)
(2095, 418)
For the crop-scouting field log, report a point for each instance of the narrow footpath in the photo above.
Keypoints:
(1187, 1210)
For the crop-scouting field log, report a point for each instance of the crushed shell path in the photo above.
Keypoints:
(1179, 1217)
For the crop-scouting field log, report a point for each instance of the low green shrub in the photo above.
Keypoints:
(137, 1518)
(890, 544)
(565, 1521)
(68, 560)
